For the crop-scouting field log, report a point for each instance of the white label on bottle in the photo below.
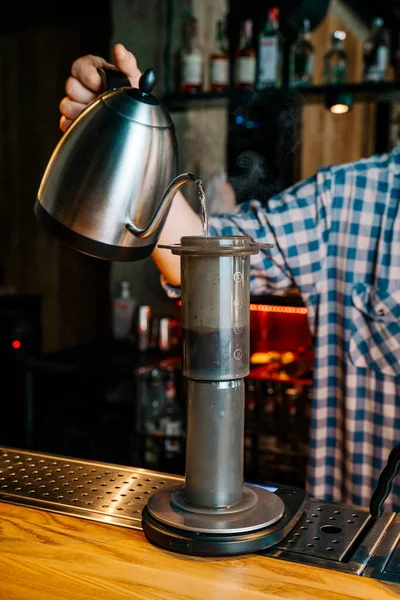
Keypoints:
(246, 69)
(310, 67)
(382, 58)
(268, 61)
(219, 72)
(192, 69)
(377, 71)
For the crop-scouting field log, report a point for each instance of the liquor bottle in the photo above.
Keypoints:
(219, 62)
(171, 421)
(270, 403)
(335, 60)
(269, 52)
(123, 307)
(251, 406)
(397, 62)
(376, 52)
(245, 61)
(302, 58)
(304, 421)
(251, 426)
(154, 401)
(143, 328)
(191, 61)
(290, 406)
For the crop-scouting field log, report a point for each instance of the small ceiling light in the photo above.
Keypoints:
(339, 109)
(338, 103)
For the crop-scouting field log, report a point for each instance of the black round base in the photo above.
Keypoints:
(86, 245)
(206, 544)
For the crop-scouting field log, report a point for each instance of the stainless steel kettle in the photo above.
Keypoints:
(110, 181)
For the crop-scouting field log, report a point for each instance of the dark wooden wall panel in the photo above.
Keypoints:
(34, 64)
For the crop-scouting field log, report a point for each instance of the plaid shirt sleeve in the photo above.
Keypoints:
(294, 222)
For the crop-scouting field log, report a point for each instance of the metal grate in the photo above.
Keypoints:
(96, 491)
(116, 494)
(326, 530)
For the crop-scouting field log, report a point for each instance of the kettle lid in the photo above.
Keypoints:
(139, 104)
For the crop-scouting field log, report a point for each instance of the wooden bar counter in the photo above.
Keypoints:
(48, 556)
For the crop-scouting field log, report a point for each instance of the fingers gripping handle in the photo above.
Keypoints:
(113, 79)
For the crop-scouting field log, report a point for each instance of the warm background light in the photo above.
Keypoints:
(271, 308)
(278, 309)
(339, 109)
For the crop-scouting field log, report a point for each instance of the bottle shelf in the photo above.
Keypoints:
(179, 102)
(382, 91)
(367, 91)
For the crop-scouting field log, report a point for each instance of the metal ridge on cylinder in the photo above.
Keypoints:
(216, 245)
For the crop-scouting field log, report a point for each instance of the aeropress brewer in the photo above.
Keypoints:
(213, 512)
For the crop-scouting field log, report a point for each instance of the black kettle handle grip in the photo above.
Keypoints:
(384, 486)
(113, 79)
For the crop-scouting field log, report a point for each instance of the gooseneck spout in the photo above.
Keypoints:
(160, 213)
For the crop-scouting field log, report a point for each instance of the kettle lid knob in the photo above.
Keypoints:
(147, 81)
(138, 103)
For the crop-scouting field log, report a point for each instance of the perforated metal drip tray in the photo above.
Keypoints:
(343, 538)
(87, 489)
(329, 535)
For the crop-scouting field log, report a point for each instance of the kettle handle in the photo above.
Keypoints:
(112, 79)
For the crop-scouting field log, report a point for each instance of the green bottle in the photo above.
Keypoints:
(335, 60)
(302, 58)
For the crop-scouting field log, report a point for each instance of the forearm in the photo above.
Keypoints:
(181, 220)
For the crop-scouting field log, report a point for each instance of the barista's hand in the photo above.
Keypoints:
(84, 84)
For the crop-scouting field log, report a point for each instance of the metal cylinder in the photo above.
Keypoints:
(216, 339)
(214, 450)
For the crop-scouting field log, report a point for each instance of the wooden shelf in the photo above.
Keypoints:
(386, 91)
(180, 102)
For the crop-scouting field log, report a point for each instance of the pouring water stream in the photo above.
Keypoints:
(203, 204)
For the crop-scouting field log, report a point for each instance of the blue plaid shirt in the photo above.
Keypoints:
(336, 238)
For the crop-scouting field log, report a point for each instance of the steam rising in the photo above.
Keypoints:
(266, 167)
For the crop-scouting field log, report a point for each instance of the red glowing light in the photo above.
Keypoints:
(16, 344)
(278, 309)
(271, 308)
